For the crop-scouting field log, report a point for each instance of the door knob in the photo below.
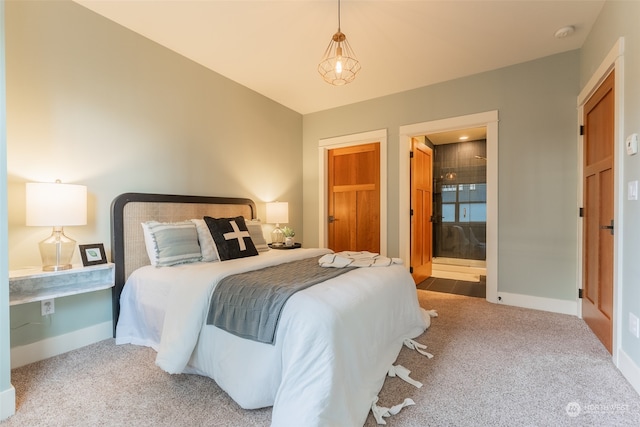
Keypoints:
(607, 227)
(331, 219)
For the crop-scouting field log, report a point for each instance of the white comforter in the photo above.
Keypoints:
(334, 346)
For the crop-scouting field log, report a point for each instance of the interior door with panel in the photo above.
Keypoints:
(598, 187)
(421, 210)
(354, 198)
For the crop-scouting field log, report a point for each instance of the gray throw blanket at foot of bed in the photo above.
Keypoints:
(249, 304)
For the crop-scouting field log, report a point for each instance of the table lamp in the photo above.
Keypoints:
(56, 205)
(277, 213)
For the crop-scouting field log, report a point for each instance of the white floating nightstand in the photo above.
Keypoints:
(32, 284)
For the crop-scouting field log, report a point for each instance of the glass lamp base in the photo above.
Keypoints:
(277, 236)
(56, 251)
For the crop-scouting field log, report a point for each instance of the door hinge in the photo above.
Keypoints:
(581, 212)
(581, 129)
(580, 293)
(411, 212)
(411, 270)
(411, 154)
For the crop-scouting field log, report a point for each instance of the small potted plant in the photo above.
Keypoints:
(288, 236)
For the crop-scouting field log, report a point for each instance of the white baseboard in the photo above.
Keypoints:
(539, 303)
(7, 403)
(40, 350)
(629, 369)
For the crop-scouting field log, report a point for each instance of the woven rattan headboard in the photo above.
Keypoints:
(128, 210)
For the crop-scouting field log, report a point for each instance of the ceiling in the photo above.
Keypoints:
(460, 135)
(274, 47)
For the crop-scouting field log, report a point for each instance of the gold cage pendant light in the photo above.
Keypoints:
(339, 65)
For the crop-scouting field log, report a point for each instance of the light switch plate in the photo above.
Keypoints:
(634, 325)
(632, 192)
(632, 144)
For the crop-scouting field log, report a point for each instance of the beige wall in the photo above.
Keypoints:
(7, 392)
(620, 19)
(92, 103)
(537, 181)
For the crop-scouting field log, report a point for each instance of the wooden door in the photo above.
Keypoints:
(598, 185)
(421, 210)
(354, 198)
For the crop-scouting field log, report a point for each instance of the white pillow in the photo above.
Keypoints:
(171, 243)
(207, 246)
(255, 231)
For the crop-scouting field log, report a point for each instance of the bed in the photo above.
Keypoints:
(335, 341)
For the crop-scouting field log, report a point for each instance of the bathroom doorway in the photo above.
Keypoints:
(487, 120)
(459, 204)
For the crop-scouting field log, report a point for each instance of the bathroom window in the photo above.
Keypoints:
(464, 203)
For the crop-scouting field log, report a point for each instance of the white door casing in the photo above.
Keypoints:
(487, 119)
(324, 145)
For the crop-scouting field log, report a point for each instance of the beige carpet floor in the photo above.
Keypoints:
(494, 365)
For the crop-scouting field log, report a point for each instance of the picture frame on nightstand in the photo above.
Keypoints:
(92, 254)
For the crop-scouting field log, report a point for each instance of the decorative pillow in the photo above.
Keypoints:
(231, 237)
(170, 243)
(207, 245)
(255, 231)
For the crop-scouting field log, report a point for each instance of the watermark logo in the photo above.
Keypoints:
(574, 409)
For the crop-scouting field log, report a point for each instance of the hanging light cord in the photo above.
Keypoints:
(338, 15)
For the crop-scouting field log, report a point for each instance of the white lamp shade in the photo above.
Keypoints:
(278, 212)
(56, 204)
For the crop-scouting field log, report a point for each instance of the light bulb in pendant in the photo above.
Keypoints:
(339, 60)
